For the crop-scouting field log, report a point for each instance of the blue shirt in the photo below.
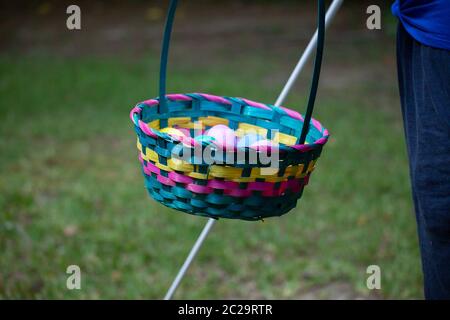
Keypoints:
(427, 21)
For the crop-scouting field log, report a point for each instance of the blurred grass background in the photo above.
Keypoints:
(71, 191)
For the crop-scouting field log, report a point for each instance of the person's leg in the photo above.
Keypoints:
(424, 83)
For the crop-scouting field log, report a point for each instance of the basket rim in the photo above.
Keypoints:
(135, 116)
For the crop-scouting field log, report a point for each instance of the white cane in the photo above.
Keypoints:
(331, 12)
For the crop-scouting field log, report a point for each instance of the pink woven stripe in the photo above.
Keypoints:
(151, 102)
(260, 186)
(152, 168)
(316, 124)
(198, 188)
(133, 111)
(302, 147)
(178, 96)
(306, 147)
(218, 184)
(180, 178)
(214, 98)
(147, 171)
(282, 188)
(306, 180)
(230, 188)
(292, 113)
(146, 129)
(255, 104)
(292, 185)
(190, 142)
(239, 193)
(271, 193)
(321, 141)
(166, 181)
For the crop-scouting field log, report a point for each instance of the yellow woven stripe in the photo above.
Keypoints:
(162, 167)
(190, 125)
(268, 172)
(178, 121)
(139, 145)
(151, 155)
(294, 170)
(148, 157)
(311, 166)
(272, 179)
(212, 121)
(284, 139)
(186, 122)
(227, 172)
(179, 165)
(154, 124)
(198, 175)
(245, 128)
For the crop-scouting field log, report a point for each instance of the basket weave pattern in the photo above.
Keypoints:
(241, 191)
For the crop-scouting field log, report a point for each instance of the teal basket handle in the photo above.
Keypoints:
(162, 108)
(316, 71)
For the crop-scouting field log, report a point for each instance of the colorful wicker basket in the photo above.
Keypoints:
(223, 189)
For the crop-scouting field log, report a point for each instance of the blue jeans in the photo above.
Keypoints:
(424, 83)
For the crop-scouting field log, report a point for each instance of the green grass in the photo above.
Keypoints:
(71, 191)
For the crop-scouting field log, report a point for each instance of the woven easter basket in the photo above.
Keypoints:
(249, 190)
(239, 191)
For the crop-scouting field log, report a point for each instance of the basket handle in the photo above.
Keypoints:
(316, 71)
(162, 107)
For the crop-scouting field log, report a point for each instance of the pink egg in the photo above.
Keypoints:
(264, 145)
(224, 136)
